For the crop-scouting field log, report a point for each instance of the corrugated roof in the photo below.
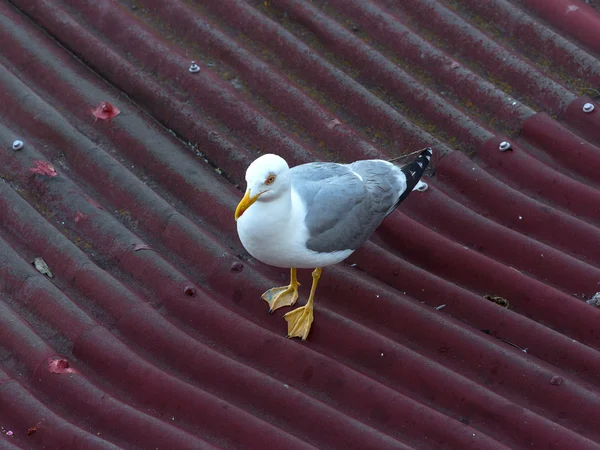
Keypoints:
(151, 332)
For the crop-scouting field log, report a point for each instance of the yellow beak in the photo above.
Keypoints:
(245, 203)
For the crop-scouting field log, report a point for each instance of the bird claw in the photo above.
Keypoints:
(281, 296)
(299, 322)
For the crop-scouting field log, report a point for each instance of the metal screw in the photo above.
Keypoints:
(588, 108)
(194, 67)
(190, 291)
(236, 267)
(504, 145)
(17, 145)
(421, 186)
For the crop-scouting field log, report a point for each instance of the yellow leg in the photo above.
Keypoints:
(282, 296)
(300, 319)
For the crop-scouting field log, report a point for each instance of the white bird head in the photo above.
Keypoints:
(267, 179)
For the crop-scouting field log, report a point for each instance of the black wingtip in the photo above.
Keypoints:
(427, 153)
(414, 171)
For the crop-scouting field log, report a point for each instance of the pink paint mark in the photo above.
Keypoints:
(33, 429)
(92, 202)
(105, 111)
(43, 168)
(79, 216)
(138, 247)
(59, 366)
(571, 8)
(332, 124)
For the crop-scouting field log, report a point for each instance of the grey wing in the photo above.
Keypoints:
(346, 203)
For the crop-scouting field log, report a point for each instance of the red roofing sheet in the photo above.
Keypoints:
(462, 323)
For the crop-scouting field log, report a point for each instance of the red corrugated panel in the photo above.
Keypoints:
(151, 332)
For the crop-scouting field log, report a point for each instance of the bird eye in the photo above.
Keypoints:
(270, 179)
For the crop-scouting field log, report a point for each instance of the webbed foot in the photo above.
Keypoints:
(299, 321)
(281, 296)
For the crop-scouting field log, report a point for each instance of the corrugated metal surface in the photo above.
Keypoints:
(152, 334)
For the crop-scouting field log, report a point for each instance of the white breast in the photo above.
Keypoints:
(275, 234)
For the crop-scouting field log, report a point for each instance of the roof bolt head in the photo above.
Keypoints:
(236, 267)
(194, 68)
(190, 291)
(588, 107)
(504, 146)
(17, 145)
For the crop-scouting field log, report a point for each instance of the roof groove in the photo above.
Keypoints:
(306, 63)
(216, 97)
(156, 305)
(483, 275)
(377, 70)
(522, 171)
(124, 142)
(469, 308)
(459, 407)
(139, 380)
(124, 190)
(459, 346)
(119, 248)
(555, 141)
(475, 188)
(540, 261)
(579, 20)
(425, 61)
(552, 53)
(56, 314)
(19, 404)
(265, 81)
(501, 65)
(133, 335)
(171, 110)
(80, 395)
(221, 372)
(77, 352)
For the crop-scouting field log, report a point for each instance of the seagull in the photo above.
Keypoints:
(315, 215)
